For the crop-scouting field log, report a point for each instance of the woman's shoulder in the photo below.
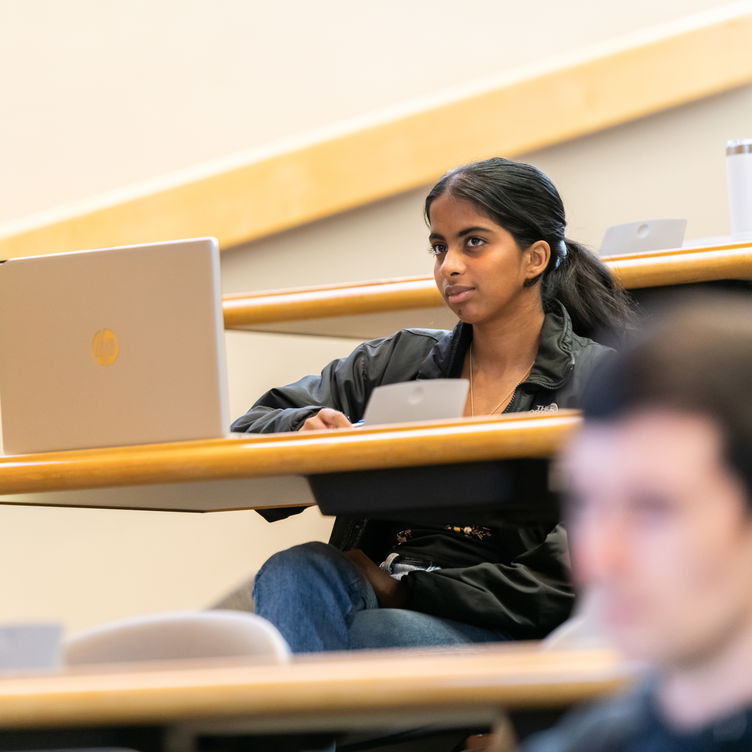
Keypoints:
(587, 347)
(589, 356)
(586, 350)
(406, 355)
(564, 348)
(412, 339)
(400, 356)
(413, 333)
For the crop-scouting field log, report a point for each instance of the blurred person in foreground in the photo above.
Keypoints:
(660, 523)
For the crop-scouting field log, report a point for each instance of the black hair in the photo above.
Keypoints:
(523, 200)
(693, 355)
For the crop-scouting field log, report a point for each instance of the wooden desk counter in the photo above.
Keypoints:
(317, 692)
(372, 309)
(255, 470)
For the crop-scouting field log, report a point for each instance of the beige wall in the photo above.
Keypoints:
(99, 93)
(667, 165)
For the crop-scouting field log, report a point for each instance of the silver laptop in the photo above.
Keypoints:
(431, 399)
(648, 235)
(113, 346)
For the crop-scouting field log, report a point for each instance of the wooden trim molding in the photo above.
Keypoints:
(254, 195)
(638, 270)
(263, 455)
(683, 266)
(341, 688)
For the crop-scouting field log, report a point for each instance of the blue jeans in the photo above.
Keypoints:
(319, 600)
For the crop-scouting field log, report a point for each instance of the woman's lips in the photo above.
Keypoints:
(457, 293)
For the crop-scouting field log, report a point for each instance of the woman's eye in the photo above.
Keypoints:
(473, 242)
(437, 249)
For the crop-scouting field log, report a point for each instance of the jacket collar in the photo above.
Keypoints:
(553, 364)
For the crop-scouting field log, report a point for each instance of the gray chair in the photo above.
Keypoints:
(179, 635)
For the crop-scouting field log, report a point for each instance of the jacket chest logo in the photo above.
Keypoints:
(552, 408)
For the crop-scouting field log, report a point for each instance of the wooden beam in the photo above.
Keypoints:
(678, 266)
(269, 191)
(263, 455)
(339, 687)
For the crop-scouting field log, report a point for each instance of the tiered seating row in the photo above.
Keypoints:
(380, 307)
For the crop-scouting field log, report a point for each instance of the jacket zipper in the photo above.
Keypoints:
(508, 409)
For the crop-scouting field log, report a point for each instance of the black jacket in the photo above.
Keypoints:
(525, 592)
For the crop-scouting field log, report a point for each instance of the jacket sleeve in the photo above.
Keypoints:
(286, 408)
(340, 386)
(524, 599)
(344, 384)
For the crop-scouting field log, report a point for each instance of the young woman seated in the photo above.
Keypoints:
(528, 302)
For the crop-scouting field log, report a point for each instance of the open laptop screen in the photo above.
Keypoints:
(112, 346)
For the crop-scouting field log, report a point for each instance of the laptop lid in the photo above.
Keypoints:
(112, 346)
(648, 235)
(430, 399)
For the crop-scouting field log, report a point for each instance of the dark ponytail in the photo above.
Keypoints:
(597, 304)
(523, 200)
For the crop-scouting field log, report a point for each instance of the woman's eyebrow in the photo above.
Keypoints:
(461, 233)
(468, 230)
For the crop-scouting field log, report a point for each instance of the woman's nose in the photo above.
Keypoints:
(452, 263)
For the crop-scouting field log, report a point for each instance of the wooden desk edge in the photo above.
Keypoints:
(529, 678)
(263, 455)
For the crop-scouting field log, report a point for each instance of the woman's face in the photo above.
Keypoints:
(479, 268)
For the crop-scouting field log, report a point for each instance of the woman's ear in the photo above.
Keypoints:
(538, 255)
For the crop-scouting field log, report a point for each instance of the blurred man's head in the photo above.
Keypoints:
(660, 513)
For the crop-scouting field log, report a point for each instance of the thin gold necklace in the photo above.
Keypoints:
(506, 398)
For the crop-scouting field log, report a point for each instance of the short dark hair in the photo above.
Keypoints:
(524, 201)
(694, 354)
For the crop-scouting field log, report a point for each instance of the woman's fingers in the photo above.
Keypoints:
(324, 419)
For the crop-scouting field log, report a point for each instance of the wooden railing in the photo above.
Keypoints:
(338, 691)
(378, 307)
(270, 459)
(270, 190)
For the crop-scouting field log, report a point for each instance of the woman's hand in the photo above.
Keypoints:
(326, 418)
(390, 593)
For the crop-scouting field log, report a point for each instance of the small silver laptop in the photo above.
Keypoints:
(648, 235)
(407, 401)
(112, 346)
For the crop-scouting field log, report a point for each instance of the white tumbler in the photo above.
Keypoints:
(739, 175)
